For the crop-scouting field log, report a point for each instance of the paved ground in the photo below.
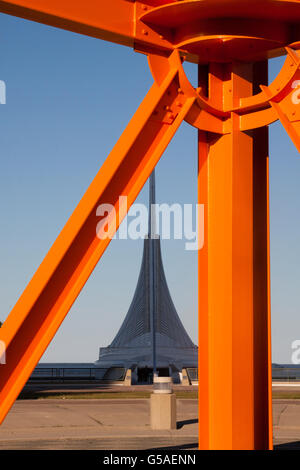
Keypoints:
(94, 424)
(82, 386)
(286, 423)
(39, 389)
(120, 424)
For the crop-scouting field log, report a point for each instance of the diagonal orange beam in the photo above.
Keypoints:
(287, 108)
(50, 294)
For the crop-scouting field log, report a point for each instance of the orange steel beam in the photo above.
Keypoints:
(50, 294)
(234, 291)
(203, 30)
(112, 20)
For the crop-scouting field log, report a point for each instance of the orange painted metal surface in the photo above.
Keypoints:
(285, 100)
(232, 107)
(204, 30)
(234, 353)
(112, 21)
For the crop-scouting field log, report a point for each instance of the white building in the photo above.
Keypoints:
(152, 336)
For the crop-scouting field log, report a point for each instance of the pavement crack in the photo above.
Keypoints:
(280, 414)
(96, 420)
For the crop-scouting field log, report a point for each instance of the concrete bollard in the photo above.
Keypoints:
(163, 404)
(127, 380)
(185, 378)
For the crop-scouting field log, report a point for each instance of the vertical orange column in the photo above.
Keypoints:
(234, 310)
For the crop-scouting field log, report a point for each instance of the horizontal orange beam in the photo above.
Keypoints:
(160, 26)
(111, 20)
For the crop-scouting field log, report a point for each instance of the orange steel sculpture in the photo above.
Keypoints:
(231, 41)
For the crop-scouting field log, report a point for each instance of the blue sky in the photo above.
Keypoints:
(69, 98)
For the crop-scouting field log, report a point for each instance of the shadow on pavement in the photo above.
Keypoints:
(194, 445)
(288, 446)
(180, 424)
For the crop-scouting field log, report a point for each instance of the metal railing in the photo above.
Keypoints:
(286, 374)
(63, 374)
(56, 374)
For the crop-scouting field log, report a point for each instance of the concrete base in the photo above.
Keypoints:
(185, 378)
(127, 380)
(163, 410)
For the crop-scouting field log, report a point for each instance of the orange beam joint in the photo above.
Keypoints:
(257, 110)
(285, 101)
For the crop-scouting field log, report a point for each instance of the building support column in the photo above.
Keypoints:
(234, 288)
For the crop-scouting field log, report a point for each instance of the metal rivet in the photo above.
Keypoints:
(144, 31)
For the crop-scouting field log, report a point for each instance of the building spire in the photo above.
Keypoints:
(152, 266)
(152, 208)
(152, 333)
